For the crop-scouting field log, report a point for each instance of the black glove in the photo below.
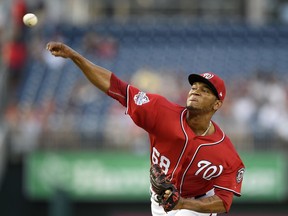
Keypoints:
(160, 183)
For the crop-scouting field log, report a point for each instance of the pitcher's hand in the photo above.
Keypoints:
(59, 49)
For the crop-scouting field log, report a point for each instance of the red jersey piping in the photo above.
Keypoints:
(127, 99)
(185, 145)
(223, 188)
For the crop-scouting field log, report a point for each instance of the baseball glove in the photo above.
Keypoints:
(160, 183)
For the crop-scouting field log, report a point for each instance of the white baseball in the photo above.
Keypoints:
(30, 19)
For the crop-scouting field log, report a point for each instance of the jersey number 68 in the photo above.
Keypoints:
(163, 161)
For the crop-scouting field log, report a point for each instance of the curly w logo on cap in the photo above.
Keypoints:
(213, 81)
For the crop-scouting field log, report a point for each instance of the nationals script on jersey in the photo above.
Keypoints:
(196, 164)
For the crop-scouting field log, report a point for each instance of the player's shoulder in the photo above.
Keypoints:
(226, 143)
(141, 97)
(166, 105)
(219, 134)
(222, 139)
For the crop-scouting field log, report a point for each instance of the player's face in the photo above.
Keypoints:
(201, 98)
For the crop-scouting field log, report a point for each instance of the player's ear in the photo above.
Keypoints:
(217, 104)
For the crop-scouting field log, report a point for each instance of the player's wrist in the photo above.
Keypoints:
(180, 204)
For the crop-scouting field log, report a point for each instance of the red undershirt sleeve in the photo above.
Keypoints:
(118, 89)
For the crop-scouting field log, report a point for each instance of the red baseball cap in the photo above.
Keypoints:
(216, 84)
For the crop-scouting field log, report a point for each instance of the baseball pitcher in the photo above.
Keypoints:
(195, 169)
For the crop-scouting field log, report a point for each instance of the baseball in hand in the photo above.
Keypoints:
(30, 19)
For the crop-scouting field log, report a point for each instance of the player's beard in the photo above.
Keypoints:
(199, 111)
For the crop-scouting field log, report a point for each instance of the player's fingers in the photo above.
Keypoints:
(55, 53)
(168, 192)
(57, 49)
(50, 46)
(53, 46)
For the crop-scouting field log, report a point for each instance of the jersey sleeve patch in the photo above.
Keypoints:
(141, 98)
(239, 175)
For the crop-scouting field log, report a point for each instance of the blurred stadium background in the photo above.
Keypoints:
(66, 148)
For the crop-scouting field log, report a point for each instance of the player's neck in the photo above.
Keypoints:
(201, 125)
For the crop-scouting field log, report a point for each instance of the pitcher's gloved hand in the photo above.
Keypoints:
(167, 194)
